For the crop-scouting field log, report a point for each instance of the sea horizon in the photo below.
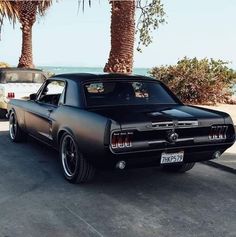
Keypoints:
(73, 69)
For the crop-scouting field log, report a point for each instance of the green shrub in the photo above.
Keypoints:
(194, 81)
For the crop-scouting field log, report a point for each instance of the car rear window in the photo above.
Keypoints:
(22, 77)
(126, 93)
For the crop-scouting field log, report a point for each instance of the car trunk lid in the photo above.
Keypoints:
(131, 116)
(149, 127)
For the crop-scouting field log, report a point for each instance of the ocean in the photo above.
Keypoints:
(62, 70)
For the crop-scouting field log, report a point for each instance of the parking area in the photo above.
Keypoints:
(35, 200)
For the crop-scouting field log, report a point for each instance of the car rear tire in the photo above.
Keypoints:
(15, 132)
(75, 167)
(179, 168)
(3, 113)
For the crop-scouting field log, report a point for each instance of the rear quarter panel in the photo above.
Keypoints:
(90, 130)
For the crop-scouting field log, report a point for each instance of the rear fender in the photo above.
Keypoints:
(19, 113)
(60, 133)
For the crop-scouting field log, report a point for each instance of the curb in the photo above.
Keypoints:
(220, 166)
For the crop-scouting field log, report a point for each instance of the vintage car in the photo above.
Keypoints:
(118, 121)
(18, 83)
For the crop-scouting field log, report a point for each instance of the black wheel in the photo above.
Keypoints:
(3, 113)
(180, 168)
(16, 133)
(75, 167)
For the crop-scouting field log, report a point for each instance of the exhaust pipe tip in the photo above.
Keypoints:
(216, 155)
(121, 165)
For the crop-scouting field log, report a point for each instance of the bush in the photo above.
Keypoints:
(49, 74)
(3, 65)
(194, 81)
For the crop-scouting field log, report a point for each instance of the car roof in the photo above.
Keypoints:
(20, 69)
(86, 77)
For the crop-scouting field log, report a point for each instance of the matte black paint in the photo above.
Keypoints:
(92, 127)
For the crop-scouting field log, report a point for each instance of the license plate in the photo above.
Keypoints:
(168, 158)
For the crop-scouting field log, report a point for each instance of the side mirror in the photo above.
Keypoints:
(33, 96)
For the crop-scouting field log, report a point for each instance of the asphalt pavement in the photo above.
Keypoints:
(35, 200)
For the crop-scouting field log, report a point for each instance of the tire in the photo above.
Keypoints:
(178, 168)
(75, 167)
(15, 132)
(3, 113)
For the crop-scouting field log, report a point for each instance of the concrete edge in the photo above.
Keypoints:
(220, 166)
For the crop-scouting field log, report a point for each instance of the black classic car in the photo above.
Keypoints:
(118, 121)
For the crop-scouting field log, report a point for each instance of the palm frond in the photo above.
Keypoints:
(83, 3)
(43, 5)
(7, 10)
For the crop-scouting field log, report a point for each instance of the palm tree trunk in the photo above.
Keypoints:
(27, 11)
(122, 37)
(26, 59)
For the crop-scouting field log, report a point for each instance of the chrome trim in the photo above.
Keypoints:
(178, 124)
(188, 123)
(185, 139)
(218, 132)
(168, 148)
(164, 141)
(156, 142)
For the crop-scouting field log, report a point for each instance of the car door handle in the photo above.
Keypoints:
(50, 110)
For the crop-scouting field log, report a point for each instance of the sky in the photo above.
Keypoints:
(67, 36)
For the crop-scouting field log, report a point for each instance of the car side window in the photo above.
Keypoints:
(52, 93)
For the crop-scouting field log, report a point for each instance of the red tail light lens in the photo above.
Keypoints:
(121, 140)
(10, 95)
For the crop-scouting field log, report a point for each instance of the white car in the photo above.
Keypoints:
(17, 83)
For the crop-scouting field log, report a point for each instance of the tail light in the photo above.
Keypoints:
(218, 132)
(121, 140)
(10, 95)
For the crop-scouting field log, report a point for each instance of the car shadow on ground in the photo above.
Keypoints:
(35, 154)
(43, 154)
(148, 200)
(138, 202)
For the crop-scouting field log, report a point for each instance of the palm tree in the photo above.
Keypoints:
(27, 14)
(7, 11)
(124, 27)
(122, 37)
